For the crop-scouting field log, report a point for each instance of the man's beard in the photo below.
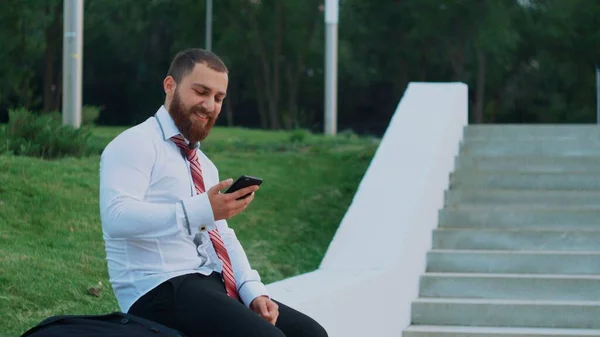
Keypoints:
(189, 126)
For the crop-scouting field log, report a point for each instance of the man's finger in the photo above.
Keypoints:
(274, 314)
(242, 192)
(274, 317)
(240, 205)
(264, 311)
(273, 307)
(218, 187)
(273, 311)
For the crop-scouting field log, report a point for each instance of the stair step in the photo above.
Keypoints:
(511, 286)
(533, 163)
(516, 239)
(476, 197)
(511, 147)
(513, 262)
(524, 180)
(507, 313)
(517, 248)
(570, 218)
(467, 331)
(529, 132)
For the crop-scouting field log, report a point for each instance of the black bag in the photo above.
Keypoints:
(116, 324)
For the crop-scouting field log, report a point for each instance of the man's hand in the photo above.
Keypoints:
(225, 206)
(266, 308)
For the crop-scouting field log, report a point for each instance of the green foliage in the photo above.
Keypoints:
(44, 136)
(348, 134)
(89, 114)
(3, 141)
(299, 135)
(528, 57)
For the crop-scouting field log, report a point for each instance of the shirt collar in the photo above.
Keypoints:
(167, 125)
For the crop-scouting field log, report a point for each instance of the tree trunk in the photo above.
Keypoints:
(294, 74)
(274, 99)
(457, 59)
(497, 105)
(52, 33)
(480, 87)
(268, 93)
(59, 91)
(264, 118)
(228, 104)
(23, 85)
(423, 64)
(229, 113)
(291, 117)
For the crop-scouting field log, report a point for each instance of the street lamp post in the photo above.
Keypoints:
(331, 42)
(72, 61)
(597, 95)
(208, 32)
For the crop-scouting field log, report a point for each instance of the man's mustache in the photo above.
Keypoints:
(198, 109)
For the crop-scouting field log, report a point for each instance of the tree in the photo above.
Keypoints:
(279, 35)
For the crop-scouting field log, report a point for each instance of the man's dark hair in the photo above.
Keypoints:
(183, 63)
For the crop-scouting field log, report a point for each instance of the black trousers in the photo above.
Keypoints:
(198, 306)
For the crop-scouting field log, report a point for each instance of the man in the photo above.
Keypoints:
(171, 256)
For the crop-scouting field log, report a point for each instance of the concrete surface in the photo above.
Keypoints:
(517, 248)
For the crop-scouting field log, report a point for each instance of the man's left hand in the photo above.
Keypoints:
(266, 308)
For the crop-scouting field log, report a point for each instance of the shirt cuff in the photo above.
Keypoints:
(251, 290)
(198, 213)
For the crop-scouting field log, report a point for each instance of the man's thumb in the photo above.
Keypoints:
(223, 184)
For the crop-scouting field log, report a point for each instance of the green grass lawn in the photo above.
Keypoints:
(51, 248)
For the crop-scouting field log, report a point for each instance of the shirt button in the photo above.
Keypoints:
(202, 228)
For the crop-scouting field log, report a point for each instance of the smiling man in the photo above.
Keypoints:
(172, 258)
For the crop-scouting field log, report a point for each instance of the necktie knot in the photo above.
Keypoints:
(188, 149)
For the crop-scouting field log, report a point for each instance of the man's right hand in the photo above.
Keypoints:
(225, 206)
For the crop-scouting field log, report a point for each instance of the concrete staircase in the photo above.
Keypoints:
(517, 249)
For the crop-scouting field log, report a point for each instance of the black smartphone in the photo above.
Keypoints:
(243, 181)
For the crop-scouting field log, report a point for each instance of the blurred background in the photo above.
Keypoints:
(524, 61)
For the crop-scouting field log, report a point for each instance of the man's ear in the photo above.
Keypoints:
(169, 85)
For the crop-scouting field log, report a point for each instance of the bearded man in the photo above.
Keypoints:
(171, 256)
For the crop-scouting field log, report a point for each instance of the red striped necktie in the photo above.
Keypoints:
(217, 241)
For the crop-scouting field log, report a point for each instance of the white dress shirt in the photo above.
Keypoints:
(154, 225)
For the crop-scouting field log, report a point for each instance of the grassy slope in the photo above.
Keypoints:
(51, 248)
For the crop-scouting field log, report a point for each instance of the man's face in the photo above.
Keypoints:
(195, 102)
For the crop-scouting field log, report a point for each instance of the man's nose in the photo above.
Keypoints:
(209, 104)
